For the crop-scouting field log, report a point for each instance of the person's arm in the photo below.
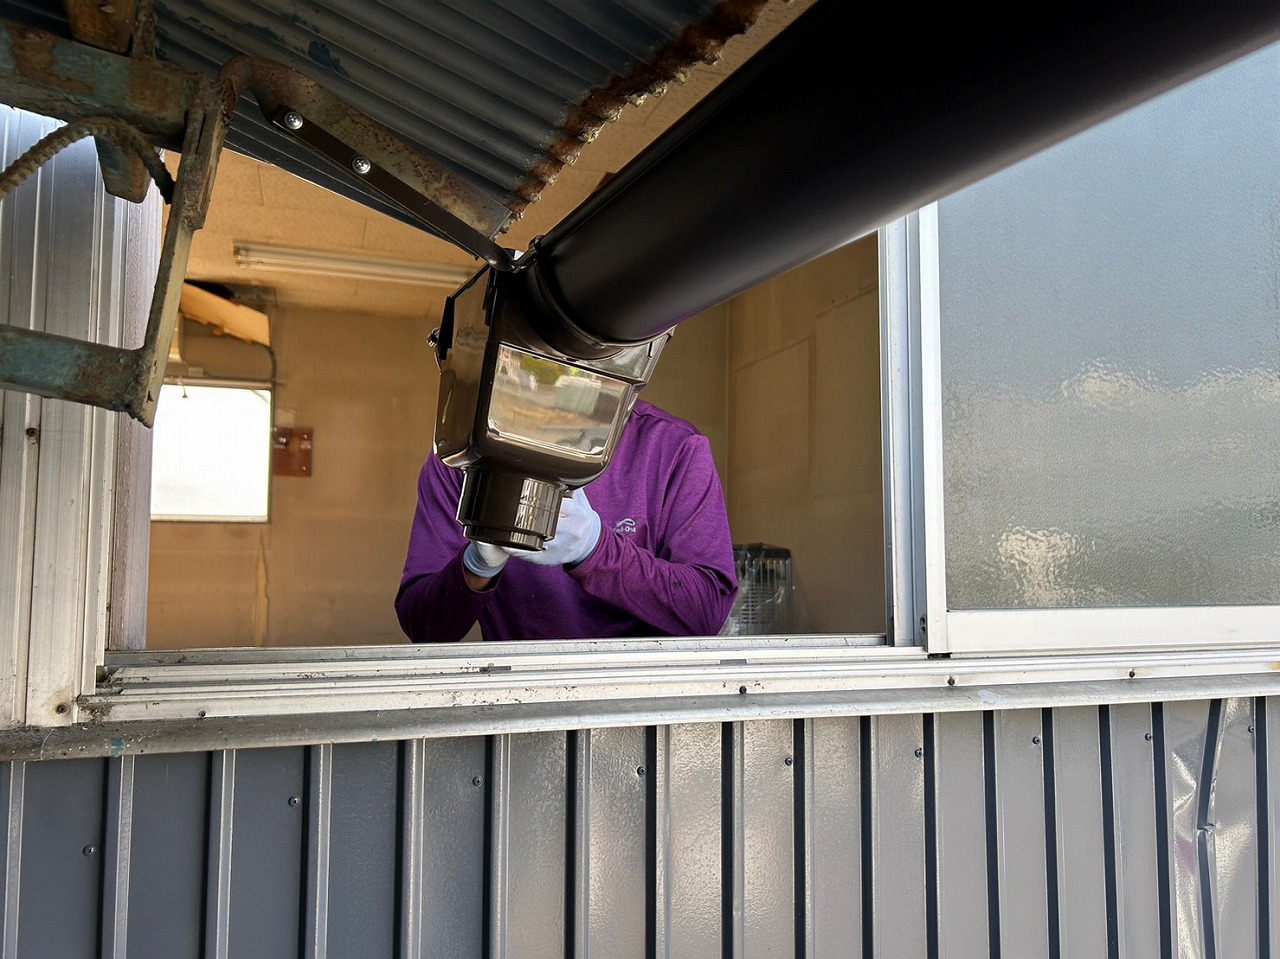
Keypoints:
(686, 587)
(439, 598)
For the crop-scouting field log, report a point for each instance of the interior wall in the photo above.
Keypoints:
(804, 434)
(325, 568)
(691, 379)
(783, 380)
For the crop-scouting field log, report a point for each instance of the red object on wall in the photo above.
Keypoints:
(291, 450)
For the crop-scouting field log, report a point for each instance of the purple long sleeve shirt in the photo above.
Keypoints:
(663, 566)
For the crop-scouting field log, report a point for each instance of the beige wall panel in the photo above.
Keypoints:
(843, 585)
(753, 331)
(335, 544)
(846, 448)
(400, 241)
(782, 311)
(423, 305)
(222, 356)
(237, 184)
(769, 421)
(805, 465)
(203, 584)
(691, 379)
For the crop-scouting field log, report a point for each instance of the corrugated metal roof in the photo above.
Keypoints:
(502, 92)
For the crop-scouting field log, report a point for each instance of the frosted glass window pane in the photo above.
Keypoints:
(1111, 361)
(211, 453)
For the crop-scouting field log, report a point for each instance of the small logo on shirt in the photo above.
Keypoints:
(626, 526)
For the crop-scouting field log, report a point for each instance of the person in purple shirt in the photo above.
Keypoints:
(643, 550)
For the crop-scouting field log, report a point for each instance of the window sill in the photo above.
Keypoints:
(215, 699)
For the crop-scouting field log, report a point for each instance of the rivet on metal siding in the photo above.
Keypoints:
(1035, 740)
(477, 781)
(951, 680)
(1132, 673)
(294, 800)
(788, 761)
(742, 690)
(919, 751)
(89, 850)
(1149, 737)
(1250, 729)
(293, 120)
(361, 165)
(201, 714)
(640, 770)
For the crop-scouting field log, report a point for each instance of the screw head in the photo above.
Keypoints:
(1035, 740)
(294, 800)
(951, 680)
(1148, 737)
(742, 690)
(919, 751)
(293, 121)
(361, 165)
(788, 761)
(89, 850)
(477, 781)
(640, 770)
(60, 709)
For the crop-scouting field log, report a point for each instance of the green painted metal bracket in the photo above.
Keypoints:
(55, 77)
(189, 112)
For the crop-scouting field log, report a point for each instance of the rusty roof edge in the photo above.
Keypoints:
(699, 43)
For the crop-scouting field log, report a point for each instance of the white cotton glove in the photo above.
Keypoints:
(577, 532)
(484, 559)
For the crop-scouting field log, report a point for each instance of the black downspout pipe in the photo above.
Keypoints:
(848, 121)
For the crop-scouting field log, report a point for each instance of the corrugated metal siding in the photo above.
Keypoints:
(1122, 831)
(77, 263)
(502, 92)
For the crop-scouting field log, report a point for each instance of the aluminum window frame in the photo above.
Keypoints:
(1046, 630)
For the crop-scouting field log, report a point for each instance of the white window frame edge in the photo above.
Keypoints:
(1046, 630)
(229, 383)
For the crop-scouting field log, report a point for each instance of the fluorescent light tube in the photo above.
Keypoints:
(281, 259)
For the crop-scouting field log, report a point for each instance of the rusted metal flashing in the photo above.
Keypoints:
(699, 43)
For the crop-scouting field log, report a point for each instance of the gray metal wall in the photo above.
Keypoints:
(1121, 831)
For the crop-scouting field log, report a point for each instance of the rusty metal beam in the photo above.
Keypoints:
(107, 24)
(100, 375)
(66, 368)
(60, 78)
(190, 113)
(199, 164)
